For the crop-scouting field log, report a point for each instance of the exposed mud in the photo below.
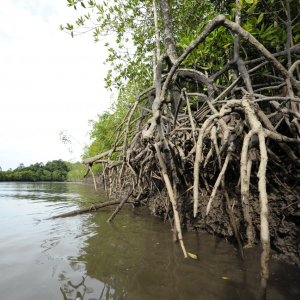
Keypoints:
(284, 212)
(284, 218)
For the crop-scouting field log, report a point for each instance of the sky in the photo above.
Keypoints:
(49, 82)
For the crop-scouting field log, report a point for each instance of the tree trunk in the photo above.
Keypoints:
(168, 30)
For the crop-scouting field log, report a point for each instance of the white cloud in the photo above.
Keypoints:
(36, 7)
(49, 82)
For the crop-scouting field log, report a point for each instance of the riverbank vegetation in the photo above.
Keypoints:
(206, 128)
(76, 171)
(55, 170)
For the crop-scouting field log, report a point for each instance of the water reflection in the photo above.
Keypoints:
(83, 257)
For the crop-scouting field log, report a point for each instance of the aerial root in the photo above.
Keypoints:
(172, 199)
(235, 133)
(119, 207)
(218, 181)
(197, 159)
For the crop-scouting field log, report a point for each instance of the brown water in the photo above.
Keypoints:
(83, 257)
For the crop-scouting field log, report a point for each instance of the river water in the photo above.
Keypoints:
(134, 258)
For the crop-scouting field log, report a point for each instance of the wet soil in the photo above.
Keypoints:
(284, 219)
(284, 215)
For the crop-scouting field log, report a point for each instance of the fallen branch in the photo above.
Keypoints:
(86, 209)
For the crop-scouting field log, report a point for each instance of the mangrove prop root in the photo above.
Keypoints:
(171, 195)
(119, 207)
(221, 147)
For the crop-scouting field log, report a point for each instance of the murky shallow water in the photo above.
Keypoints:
(83, 257)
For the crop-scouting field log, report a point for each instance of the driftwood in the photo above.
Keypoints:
(86, 209)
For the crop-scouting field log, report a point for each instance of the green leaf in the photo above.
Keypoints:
(253, 21)
(296, 27)
(82, 4)
(75, 7)
(254, 31)
(270, 38)
(267, 32)
(242, 2)
(186, 41)
(227, 45)
(248, 27)
(232, 12)
(251, 9)
(261, 16)
(249, 1)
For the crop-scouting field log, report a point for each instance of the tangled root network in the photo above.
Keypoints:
(218, 155)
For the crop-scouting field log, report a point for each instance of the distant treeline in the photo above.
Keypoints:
(55, 170)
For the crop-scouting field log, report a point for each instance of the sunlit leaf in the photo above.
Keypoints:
(192, 255)
(227, 45)
(251, 9)
(260, 18)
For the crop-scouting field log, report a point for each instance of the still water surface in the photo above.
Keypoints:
(134, 258)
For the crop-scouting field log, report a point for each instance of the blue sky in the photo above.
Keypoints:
(49, 82)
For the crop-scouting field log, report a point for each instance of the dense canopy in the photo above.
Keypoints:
(55, 170)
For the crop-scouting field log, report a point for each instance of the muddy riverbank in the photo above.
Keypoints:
(284, 216)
